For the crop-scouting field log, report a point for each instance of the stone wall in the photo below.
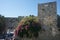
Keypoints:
(42, 36)
(47, 13)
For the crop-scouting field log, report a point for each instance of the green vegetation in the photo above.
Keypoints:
(58, 21)
(20, 18)
(2, 24)
(29, 27)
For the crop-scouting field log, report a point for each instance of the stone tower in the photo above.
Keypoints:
(47, 14)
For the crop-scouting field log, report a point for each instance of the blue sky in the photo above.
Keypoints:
(15, 8)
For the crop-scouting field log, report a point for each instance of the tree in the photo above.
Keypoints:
(58, 21)
(2, 24)
(20, 18)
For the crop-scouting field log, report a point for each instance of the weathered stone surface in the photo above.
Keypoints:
(47, 14)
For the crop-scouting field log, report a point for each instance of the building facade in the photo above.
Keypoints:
(47, 13)
(11, 23)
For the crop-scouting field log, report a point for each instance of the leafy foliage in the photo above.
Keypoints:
(58, 21)
(20, 18)
(2, 24)
(28, 27)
